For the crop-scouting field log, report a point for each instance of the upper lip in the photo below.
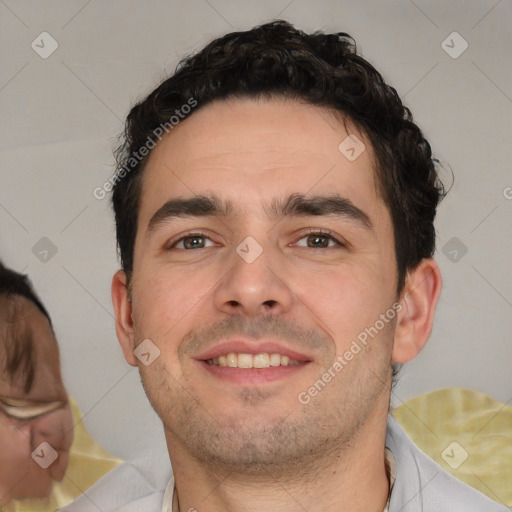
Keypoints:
(243, 346)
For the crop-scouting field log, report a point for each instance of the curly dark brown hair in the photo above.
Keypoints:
(275, 60)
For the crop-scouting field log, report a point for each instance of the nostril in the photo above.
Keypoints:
(270, 303)
(233, 303)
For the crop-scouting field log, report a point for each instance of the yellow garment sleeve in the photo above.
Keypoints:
(467, 433)
(88, 461)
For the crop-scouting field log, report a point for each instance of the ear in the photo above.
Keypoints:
(123, 311)
(416, 317)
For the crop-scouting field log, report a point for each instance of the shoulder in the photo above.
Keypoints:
(422, 485)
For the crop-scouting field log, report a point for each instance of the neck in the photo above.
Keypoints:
(352, 478)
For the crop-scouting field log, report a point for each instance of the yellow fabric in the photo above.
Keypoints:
(478, 424)
(88, 461)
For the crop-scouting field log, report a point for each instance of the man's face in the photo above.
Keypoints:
(20, 475)
(289, 289)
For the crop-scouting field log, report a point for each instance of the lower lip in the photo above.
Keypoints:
(252, 375)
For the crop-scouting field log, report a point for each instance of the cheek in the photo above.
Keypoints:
(14, 443)
(19, 474)
(165, 308)
(347, 302)
(162, 302)
(37, 483)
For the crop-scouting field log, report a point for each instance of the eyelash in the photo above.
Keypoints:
(312, 231)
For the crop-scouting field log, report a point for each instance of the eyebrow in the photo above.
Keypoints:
(292, 206)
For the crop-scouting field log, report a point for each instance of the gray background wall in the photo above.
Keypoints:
(60, 116)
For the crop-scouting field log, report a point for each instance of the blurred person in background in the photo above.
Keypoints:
(34, 406)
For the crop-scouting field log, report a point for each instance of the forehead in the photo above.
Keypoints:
(21, 318)
(250, 149)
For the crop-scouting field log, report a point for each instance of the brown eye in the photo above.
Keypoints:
(193, 242)
(318, 241)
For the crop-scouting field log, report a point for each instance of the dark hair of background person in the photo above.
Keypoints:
(275, 60)
(15, 334)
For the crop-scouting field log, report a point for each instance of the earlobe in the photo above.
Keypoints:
(123, 312)
(415, 319)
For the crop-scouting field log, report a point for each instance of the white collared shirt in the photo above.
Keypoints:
(420, 485)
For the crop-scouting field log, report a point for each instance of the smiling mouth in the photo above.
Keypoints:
(264, 360)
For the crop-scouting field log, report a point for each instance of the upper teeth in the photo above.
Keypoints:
(249, 361)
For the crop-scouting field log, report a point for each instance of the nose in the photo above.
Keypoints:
(254, 287)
